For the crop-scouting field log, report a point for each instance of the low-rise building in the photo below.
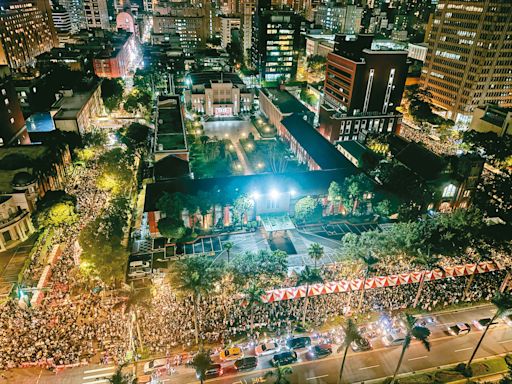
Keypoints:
(15, 223)
(170, 136)
(492, 118)
(114, 61)
(354, 151)
(218, 94)
(74, 111)
(277, 103)
(417, 51)
(319, 45)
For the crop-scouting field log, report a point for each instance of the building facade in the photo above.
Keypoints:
(15, 223)
(218, 94)
(12, 123)
(248, 7)
(362, 89)
(275, 40)
(491, 118)
(228, 24)
(338, 18)
(469, 57)
(96, 14)
(26, 30)
(114, 61)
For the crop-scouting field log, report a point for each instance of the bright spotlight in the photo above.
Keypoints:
(274, 193)
(293, 192)
(255, 195)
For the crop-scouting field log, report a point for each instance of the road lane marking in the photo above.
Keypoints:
(316, 377)
(417, 358)
(370, 367)
(463, 349)
(504, 341)
(100, 369)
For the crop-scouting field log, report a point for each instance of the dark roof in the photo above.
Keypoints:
(355, 148)
(22, 178)
(317, 146)
(303, 183)
(285, 101)
(206, 77)
(421, 161)
(171, 167)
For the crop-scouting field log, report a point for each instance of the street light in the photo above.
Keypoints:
(274, 193)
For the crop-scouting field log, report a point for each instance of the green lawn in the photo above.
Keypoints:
(171, 142)
(207, 166)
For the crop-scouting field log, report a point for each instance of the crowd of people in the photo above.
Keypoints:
(71, 327)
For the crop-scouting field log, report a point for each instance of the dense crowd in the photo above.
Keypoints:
(69, 328)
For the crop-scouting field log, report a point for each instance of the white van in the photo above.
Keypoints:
(139, 264)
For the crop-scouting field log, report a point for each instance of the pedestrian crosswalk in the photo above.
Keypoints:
(98, 375)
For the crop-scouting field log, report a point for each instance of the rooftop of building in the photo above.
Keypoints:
(171, 167)
(303, 183)
(170, 133)
(354, 147)
(18, 161)
(206, 78)
(285, 101)
(70, 106)
(354, 47)
(325, 155)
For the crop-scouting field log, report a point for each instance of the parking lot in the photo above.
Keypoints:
(336, 231)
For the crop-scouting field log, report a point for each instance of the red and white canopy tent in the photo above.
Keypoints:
(378, 281)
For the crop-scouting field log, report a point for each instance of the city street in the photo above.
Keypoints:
(360, 366)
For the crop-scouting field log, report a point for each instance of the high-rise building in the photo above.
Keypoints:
(363, 87)
(61, 19)
(12, 123)
(275, 39)
(339, 18)
(228, 24)
(75, 9)
(469, 60)
(26, 30)
(96, 14)
(247, 10)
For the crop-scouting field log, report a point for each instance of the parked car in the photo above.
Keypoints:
(284, 358)
(214, 370)
(231, 354)
(153, 365)
(482, 323)
(320, 350)
(139, 264)
(246, 363)
(394, 337)
(298, 342)
(138, 274)
(266, 349)
(459, 329)
(360, 345)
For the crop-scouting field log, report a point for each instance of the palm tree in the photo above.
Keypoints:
(429, 262)
(227, 246)
(307, 277)
(351, 334)
(316, 252)
(412, 331)
(369, 261)
(121, 378)
(194, 277)
(201, 363)
(503, 304)
(253, 297)
(280, 375)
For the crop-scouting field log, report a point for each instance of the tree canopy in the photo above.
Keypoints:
(55, 209)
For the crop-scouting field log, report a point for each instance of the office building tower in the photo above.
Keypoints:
(26, 30)
(338, 18)
(228, 24)
(275, 39)
(248, 8)
(363, 87)
(75, 9)
(12, 123)
(96, 14)
(469, 59)
(61, 19)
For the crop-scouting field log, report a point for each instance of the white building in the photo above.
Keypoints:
(418, 51)
(218, 94)
(228, 24)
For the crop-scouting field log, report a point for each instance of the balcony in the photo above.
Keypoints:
(13, 218)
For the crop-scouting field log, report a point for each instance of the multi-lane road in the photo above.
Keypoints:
(360, 366)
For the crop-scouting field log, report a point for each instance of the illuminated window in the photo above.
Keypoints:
(449, 190)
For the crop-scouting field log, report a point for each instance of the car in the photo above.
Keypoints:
(246, 363)
(266, 349)
(138, 273)
(394, 337)
(231, 354)
(154, 365)
(360, 345)
(459, 329)
(214, 370)
(482, 323)
(139, 264)
(284, 358)
(320, 350)
(298, 342)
